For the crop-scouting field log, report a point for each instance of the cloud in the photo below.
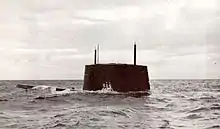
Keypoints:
(174, 38)
(22, 50)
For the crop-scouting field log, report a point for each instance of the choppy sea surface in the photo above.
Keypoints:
(170, 104)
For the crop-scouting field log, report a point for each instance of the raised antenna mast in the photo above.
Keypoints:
(95, 56)
(98, 54)
(134, 53)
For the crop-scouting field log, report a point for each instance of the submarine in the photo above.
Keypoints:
(117, 77)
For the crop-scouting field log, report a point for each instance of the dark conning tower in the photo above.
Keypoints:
(119, 77)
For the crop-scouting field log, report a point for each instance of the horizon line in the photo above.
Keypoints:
(83, 79)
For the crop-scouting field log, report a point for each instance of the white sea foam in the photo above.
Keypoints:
(50, 90)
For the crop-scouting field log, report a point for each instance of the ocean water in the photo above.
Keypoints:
(170, 104)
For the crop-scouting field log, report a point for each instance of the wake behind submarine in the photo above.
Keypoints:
(117, 77)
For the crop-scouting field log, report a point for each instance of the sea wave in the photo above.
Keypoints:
(169, 104)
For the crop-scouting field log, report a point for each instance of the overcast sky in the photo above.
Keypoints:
(55, 39)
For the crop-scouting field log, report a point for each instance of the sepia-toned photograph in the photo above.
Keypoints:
(109, 64)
